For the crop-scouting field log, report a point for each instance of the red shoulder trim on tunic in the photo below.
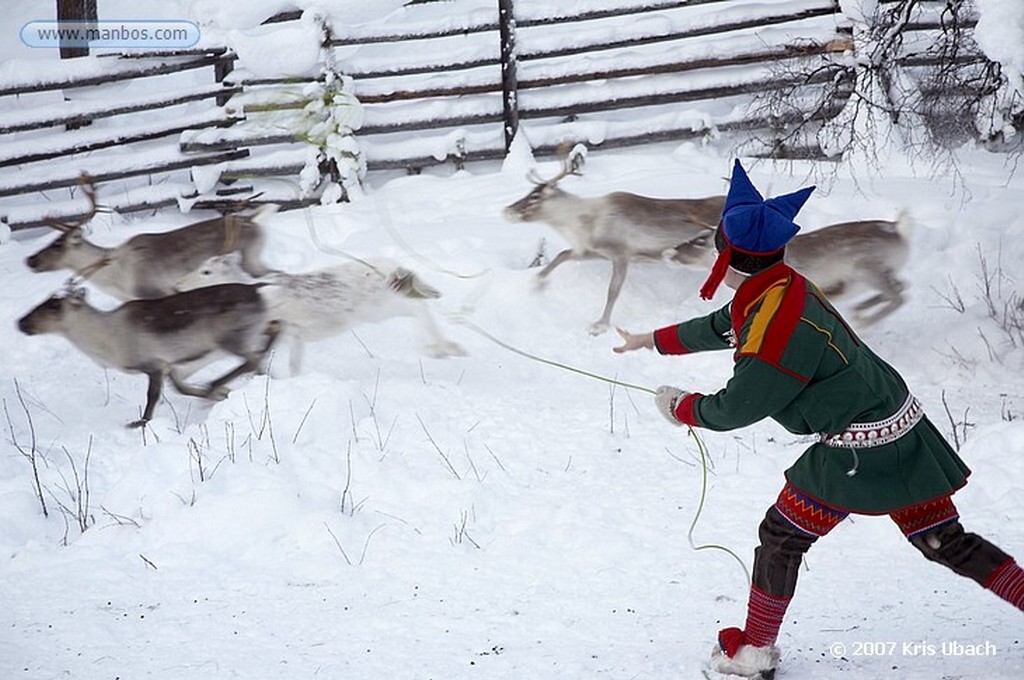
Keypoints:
(776, 298)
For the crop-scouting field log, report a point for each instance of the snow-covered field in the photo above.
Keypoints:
(384, 514)
(499, 515)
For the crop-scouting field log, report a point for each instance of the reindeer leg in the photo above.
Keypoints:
(834, 289)
(439, 346)
(178, 380)
(153, 392)
(619, 267)
(891, 294)
(296, 350)
(885, 310)
(253, 360)
(561, 258)
(695, 251)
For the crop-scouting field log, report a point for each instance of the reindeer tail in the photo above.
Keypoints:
(904, 223)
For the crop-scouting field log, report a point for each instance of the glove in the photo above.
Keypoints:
(667, 398)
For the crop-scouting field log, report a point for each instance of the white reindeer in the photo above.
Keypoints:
(148, 265)
(164, 337)
(325, 302)
(620, 227)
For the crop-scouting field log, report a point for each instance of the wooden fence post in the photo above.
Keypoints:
(79, 11)
(509, 79)
(222, 68)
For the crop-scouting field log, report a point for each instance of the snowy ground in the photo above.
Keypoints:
(385, 514)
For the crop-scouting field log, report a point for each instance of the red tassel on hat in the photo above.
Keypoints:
(718, 270)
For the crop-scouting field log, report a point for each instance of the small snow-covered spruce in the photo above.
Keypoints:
(329, 122)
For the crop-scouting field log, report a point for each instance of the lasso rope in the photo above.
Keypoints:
(313, 235)
(700, 508)
(462, 320)
(469, 324)
(700, 443)
(331, 250)
(385, 214)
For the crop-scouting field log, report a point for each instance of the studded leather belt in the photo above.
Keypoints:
(866, 435)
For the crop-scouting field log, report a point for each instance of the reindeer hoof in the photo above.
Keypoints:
(598, 327)
(135, 424)
(219, 393)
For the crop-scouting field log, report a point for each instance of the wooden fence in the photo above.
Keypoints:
(137, 123)
(653, 71)
(767, 74)
(435, 89)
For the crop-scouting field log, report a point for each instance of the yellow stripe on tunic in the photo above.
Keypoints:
(770, 301)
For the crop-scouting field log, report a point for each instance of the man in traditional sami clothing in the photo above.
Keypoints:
(798, 362)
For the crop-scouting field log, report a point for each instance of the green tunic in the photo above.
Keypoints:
(797, 362)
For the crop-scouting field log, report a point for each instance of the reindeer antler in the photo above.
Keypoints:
(572, 162)
(88, 185)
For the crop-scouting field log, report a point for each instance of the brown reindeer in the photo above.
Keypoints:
(619, 227)
(148, 265)
(840, 258)
(164, 337)
(849, 257)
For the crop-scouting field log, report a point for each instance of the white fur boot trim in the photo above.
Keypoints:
(749, 662)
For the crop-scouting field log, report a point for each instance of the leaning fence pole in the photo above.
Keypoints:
(509, 79)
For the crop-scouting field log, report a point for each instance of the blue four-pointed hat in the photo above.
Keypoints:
(753, 225)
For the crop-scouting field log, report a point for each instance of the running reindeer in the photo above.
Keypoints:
(865, 255)
(622, 227)
(325, 302)
(164, 337)
(148, 265)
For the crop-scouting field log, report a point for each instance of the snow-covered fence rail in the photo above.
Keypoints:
(139, 120)
(60, 118)
(437, 89)
(430, 87)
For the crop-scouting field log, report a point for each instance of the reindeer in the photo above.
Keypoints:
(164, 337)
(147, 265)
(619, 226)
(325, 302)
(842, 258)
(847, 257)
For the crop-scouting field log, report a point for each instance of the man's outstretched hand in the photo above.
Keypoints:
(632, 341)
